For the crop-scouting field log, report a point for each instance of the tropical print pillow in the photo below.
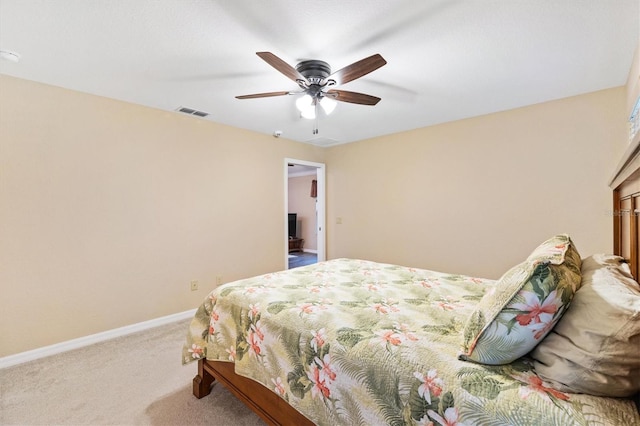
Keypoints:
(516, 314)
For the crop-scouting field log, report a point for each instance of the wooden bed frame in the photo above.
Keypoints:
(265, 403)
(275, 411)
(625, 184)
(626, 208)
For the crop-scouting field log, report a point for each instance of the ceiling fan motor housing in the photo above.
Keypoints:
(314, 71)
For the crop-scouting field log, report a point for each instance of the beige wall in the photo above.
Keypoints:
(301, 203)
(476, 196)
(108, 210)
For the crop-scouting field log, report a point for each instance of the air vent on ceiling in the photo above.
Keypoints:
(323, 142)
(192, 111)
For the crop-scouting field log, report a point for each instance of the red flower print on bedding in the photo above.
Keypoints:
(319, 338)
(319, 383)
(450, 417)
(254, 343)
(430, 385)
(254, 310)
(398, 335)
(536, 385)
(196, 351)
(212, 322)
(427, 283)
(232, 353)
(404, 330)
(385, 306)
(279, 386)
(306, 308)
(389, 337)
(255, 336)
(448, 303)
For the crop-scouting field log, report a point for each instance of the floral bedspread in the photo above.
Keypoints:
(353, 342)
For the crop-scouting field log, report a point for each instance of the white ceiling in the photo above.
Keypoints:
(447, 59)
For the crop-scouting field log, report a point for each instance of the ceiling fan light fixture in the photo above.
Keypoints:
(328, 105)
(306, 106)
(304, 102)
(309, 113)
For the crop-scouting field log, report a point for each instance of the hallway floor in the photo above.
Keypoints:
(300, 258)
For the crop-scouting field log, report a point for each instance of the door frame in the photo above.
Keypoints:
(321, 202)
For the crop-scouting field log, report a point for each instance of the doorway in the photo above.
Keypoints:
(310, 220)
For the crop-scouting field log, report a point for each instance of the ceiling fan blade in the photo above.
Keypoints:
(262, 95)
(281, 66)
(357, 69)
(352, 97)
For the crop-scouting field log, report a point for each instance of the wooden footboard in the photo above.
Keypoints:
(262, 401)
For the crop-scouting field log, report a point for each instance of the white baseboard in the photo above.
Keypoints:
(22, 357)
(309, 251)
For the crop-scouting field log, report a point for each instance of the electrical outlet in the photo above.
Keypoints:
(218, 280)
(194, 285)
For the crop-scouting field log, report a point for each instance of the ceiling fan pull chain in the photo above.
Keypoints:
(315, 121)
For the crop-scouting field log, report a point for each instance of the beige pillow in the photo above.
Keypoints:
(595, 347)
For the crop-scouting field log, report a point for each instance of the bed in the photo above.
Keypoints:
(348, 341)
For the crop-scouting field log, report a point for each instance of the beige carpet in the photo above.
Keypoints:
(111, 383)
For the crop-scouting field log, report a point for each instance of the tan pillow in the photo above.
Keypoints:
(595, 347)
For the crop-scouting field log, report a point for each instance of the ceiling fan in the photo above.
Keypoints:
(315, 80)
